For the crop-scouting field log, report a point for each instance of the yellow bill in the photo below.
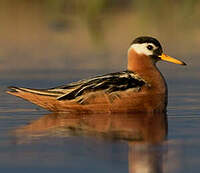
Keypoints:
(165, 57)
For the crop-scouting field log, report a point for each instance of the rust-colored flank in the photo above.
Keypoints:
(141, 88)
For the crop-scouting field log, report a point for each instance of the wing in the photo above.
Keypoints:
(109, 83)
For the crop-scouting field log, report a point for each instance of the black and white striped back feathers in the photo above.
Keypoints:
(109, 83)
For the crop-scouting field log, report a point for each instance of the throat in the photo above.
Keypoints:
(146, 68)
(137, 62)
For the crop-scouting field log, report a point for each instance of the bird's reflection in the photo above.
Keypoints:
(144, 134)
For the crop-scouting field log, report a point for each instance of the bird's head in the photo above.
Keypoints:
(150, 47)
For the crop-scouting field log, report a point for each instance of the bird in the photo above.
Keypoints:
(139, 88)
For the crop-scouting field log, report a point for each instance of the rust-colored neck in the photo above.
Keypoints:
(147, 69)
(139, 62)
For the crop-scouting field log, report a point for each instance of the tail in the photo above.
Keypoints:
(42, 97)
(44, 92)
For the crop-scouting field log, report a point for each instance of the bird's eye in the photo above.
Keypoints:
(150, 47)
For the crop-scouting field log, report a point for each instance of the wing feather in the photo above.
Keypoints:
(108, 83)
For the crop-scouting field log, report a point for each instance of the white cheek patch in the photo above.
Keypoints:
(142, 48)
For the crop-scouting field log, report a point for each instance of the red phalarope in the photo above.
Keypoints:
(141, 88)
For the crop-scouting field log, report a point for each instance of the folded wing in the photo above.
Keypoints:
(113, 82)
(109, 83)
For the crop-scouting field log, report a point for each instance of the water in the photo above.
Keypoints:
(48, 43)
(33, 139)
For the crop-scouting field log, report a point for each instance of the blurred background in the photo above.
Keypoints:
(42, 39)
